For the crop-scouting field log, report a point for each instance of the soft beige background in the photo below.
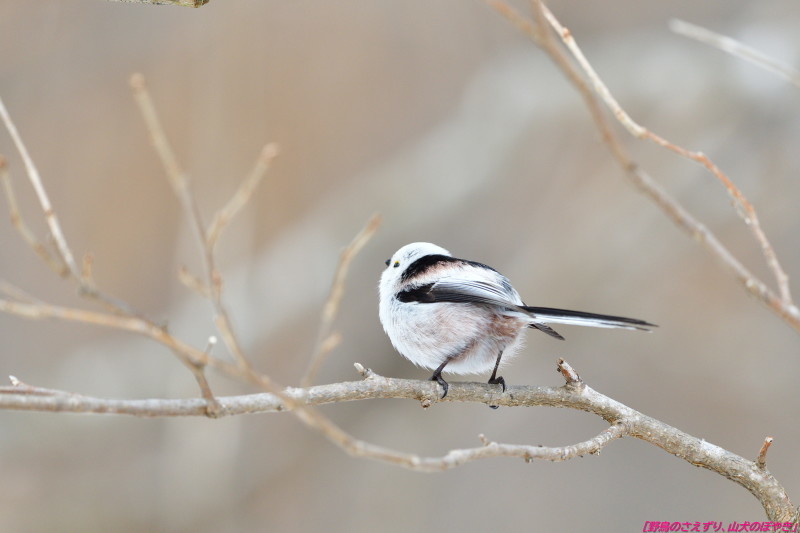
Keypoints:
(445, 119)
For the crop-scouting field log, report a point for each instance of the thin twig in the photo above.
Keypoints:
(175, 175)
(20, 387)
(761, 461)
(36, 181)
(737, 49)
(133, 324)
(206, 239)
(516, 18)
(242, 195)
(193, 282)
(744, 208)
(326, 338)
(183, 191)
(569, 374)
(212, 407)
(16, 293)
(194, 359)
(86, 269)
(19, 224)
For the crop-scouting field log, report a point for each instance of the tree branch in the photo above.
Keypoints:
(537, 30)
(623, 421)
(179, 3)
(206, 237)
(743, 206)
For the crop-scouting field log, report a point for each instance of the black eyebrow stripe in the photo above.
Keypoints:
(423, 264)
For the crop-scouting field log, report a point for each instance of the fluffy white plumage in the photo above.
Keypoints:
(448, 314)
(428, 334)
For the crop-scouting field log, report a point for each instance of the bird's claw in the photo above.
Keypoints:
(440, 380)
(497, 381)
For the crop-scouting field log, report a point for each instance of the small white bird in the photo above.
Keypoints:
(440, 311)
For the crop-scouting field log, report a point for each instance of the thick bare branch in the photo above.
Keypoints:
(623, 421)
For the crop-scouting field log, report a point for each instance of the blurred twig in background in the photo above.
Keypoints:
(19, 224)
(327, 339)
(737, 49)
(596, 91)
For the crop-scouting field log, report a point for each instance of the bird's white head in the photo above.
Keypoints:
(396, 266)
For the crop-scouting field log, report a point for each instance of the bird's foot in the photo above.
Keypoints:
(497, 381)
(437, 377)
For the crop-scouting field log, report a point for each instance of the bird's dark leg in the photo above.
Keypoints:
(437, 377)
(497, 380)
(494, 380)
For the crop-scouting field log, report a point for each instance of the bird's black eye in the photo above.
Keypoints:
(396, 264)
(388, 261)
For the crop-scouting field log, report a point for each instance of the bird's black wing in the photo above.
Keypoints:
(470, 291)
(457, 290)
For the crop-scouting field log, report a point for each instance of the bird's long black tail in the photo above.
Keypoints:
(550, 315)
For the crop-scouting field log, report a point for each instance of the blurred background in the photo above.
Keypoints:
(458, 130)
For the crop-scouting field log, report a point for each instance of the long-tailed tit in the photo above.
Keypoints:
(443, 312)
